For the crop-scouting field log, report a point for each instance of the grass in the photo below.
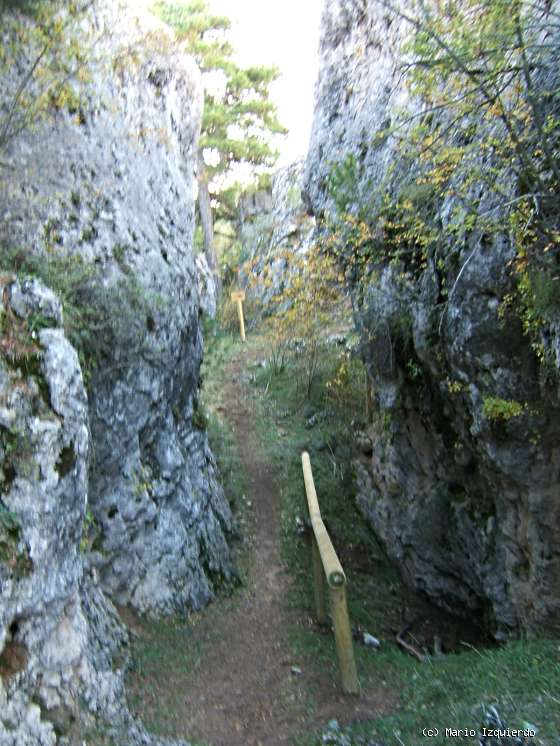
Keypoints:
(521, 678)
(165, 652)
(98, 320)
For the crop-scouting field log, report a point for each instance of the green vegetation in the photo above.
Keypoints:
(400, 695)
(18, 341)
(521, 678)
(239, 120)
(289, 422)
(310, 301)
(199, 418)
(15, 452)
(57, 53)
(341, 182)
(166, 651)
(91, 535)
(99, 321)
(475, 59)
(497, 409)
(9, 534)
(12, 556)
(486, 142)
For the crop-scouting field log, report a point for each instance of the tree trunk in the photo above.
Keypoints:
(206, 219)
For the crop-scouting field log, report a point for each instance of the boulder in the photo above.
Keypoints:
(58, 631)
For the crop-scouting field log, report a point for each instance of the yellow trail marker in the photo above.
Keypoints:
(328, 572)
(238, 296)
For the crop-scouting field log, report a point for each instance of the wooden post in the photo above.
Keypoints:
(343, 639)
(241, 319)
(327, 570)
(331, 564)
(238, 296)
(318, 583)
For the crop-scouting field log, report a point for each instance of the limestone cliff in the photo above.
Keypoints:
(113, 495)
(114, 186)
(58, 632)
(465, 502)
(273, 228)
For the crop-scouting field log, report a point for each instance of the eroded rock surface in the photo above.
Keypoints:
(207, 289)
(114, 185)
(113, 494)
(466, 505)
(58, 631)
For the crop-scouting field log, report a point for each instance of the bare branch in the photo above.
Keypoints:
(19, 93)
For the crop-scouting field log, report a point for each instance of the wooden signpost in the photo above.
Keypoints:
(238, 296)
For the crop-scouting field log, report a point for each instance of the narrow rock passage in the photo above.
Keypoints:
(229, 680)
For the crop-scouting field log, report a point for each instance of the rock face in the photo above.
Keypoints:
(273, 228)
(465, 503)
(113, 493)
(207, 290)
(58, 632)
(114, 185)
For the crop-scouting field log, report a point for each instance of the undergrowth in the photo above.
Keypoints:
(521, 678)
(401, 695)
(103, 322)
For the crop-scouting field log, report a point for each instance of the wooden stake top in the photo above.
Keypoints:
(331, 564)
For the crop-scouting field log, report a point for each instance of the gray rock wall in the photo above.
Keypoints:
(58, 632)
(274, 228)
(465, 505)
(113, 493)
(115, 186)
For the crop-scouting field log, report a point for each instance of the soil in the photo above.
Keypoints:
(248, 689)
(13, 660)
(246, 693)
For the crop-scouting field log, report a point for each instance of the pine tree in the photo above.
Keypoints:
(239, 119)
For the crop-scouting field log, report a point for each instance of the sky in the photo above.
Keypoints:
(284, 33)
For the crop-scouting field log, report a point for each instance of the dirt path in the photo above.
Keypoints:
(243, 671)
(237, 697)
(243, 690)
(246, 693)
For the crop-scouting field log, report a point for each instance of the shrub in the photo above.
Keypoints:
(102, 322)
(485, 145)
(501, 410)
(309, 302)
(56, 50)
